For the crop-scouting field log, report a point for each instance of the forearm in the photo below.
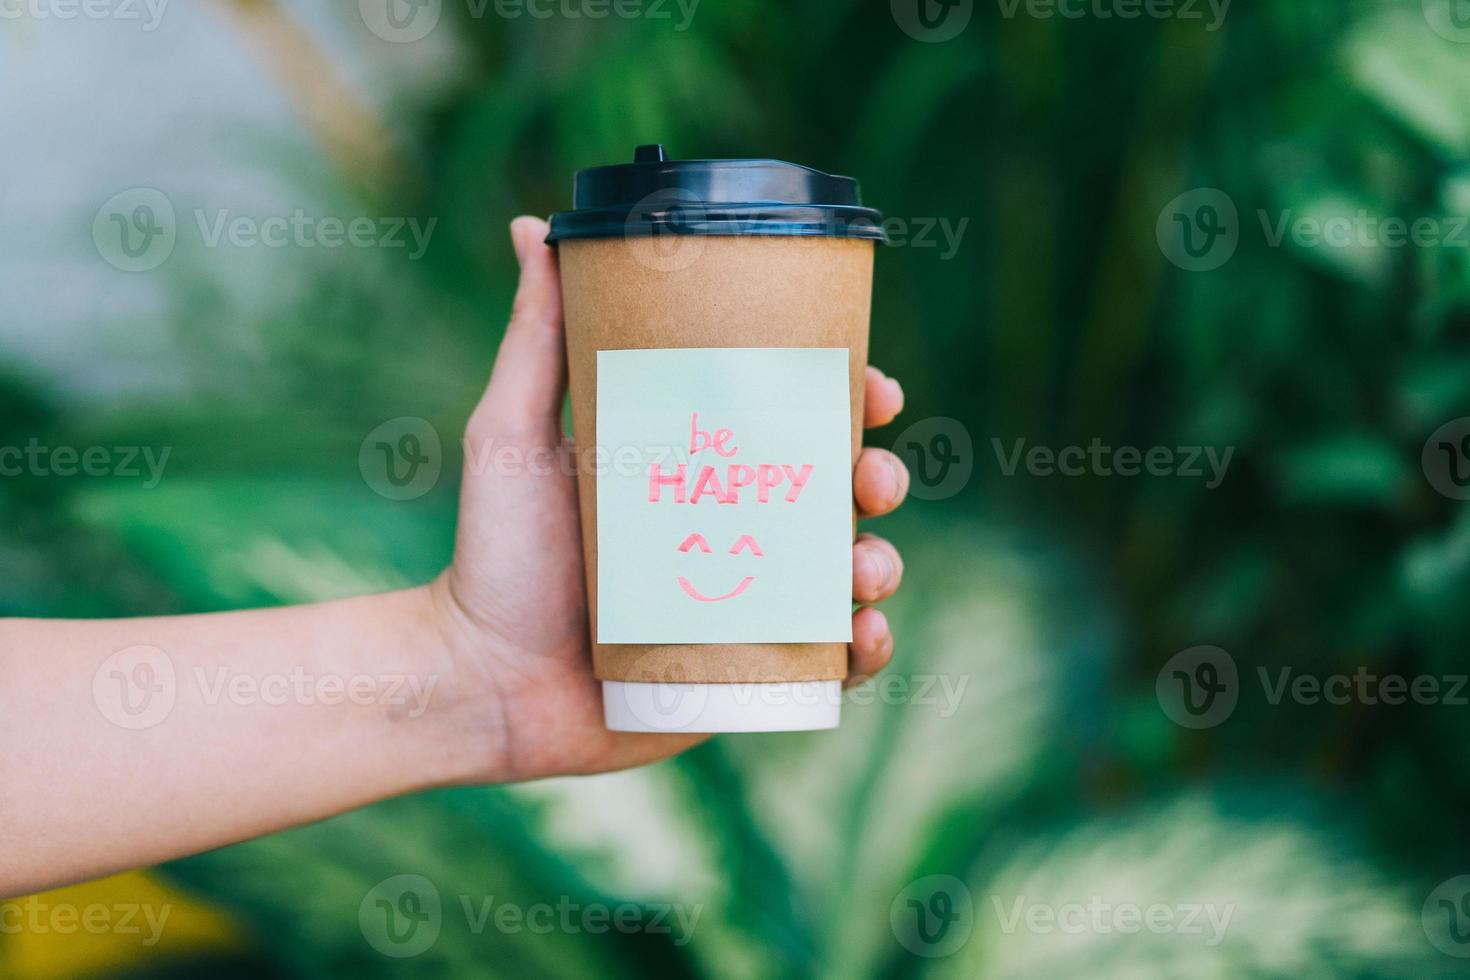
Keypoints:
(213, 729)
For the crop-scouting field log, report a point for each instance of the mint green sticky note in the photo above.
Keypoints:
(724, 496)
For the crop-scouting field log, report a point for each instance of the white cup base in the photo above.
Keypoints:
(793, 706)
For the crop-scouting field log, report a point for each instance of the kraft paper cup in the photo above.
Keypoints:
(671, 254)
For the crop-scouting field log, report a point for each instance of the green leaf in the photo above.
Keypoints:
(1419, 78)
(1237, 884)
(312, 894)
(1343, 470)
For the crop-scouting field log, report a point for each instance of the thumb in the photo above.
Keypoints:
(529, 379)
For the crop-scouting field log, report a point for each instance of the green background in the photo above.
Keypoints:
(1053, 147)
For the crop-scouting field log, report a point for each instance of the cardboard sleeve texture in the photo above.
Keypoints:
(708, 291)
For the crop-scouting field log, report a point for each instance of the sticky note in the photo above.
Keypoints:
(724, 496)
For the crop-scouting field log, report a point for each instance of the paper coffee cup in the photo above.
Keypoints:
(717, 337)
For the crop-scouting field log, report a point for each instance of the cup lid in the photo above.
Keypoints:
(654, 195)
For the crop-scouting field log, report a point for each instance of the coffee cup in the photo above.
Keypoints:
(717, 319)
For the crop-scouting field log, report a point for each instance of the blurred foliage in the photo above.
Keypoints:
(1058, 321)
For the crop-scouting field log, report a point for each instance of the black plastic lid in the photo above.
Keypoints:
(654, 195)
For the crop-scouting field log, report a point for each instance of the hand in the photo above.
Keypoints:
(508, 694)
(513, 609)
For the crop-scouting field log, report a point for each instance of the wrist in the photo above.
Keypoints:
(468, 729)
(431, 722)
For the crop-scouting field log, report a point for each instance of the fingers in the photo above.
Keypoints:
(872, 646)
(879, 482)
(529, 379)
(882, 399)
(877, 569)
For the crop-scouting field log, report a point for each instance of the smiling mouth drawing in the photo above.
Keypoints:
(697, 595)
(696, 540)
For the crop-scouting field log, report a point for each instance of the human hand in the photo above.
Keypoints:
(495, 649)
(512, 608)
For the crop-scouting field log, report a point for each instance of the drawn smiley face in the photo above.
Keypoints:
(697, 540)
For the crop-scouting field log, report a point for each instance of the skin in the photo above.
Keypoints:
(481, 676)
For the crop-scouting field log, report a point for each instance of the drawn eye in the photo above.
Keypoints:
(746, 541)
(695, 539)
(742, 543)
